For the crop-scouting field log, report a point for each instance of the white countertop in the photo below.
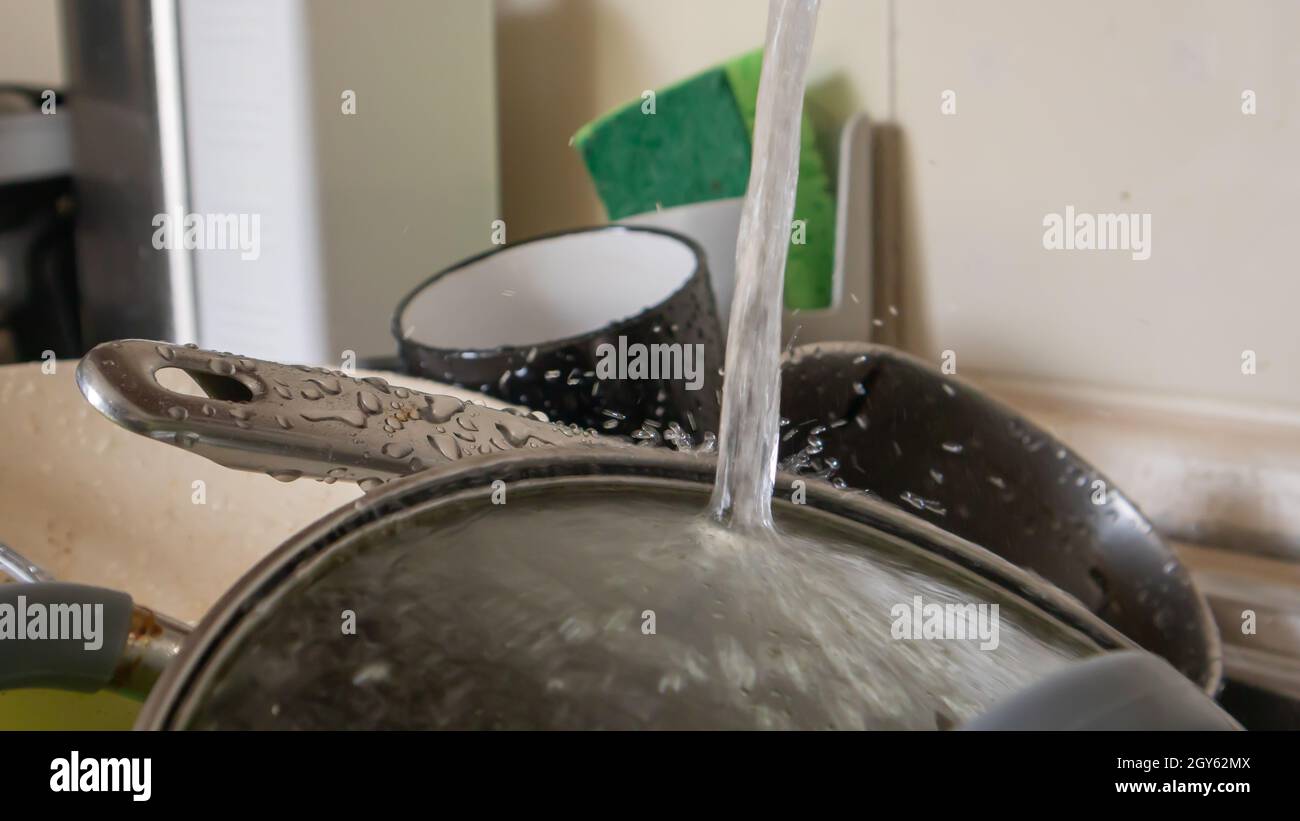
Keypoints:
(94, 503)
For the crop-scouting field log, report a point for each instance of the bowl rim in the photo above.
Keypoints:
(612, 328)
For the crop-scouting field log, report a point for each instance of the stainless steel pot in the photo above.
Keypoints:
(417, 453)
(181, 690)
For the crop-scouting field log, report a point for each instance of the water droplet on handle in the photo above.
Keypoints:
(397, 450)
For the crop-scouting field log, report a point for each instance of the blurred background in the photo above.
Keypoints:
(466, 109)
(1178, 374)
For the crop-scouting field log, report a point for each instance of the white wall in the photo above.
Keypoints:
(409, 184)
(30, 48)
(1110, 106)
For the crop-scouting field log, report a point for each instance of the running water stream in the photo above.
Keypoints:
(747, 441)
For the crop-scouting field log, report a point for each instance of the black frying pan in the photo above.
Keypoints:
(936, 447)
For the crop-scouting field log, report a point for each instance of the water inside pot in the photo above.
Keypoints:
(624, 608)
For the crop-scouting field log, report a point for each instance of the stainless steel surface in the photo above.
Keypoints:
(297, 421)
(183, 684)
(118, 81)
(20, 568)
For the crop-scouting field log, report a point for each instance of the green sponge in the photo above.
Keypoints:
(696, 147)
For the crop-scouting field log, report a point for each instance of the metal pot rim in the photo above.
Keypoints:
(199, 659)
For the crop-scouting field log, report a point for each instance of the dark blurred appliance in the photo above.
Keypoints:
(38, 284)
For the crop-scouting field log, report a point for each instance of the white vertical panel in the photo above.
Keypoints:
(248, 114)
(355, 210)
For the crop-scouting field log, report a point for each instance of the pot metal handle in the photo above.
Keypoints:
(291, 421)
